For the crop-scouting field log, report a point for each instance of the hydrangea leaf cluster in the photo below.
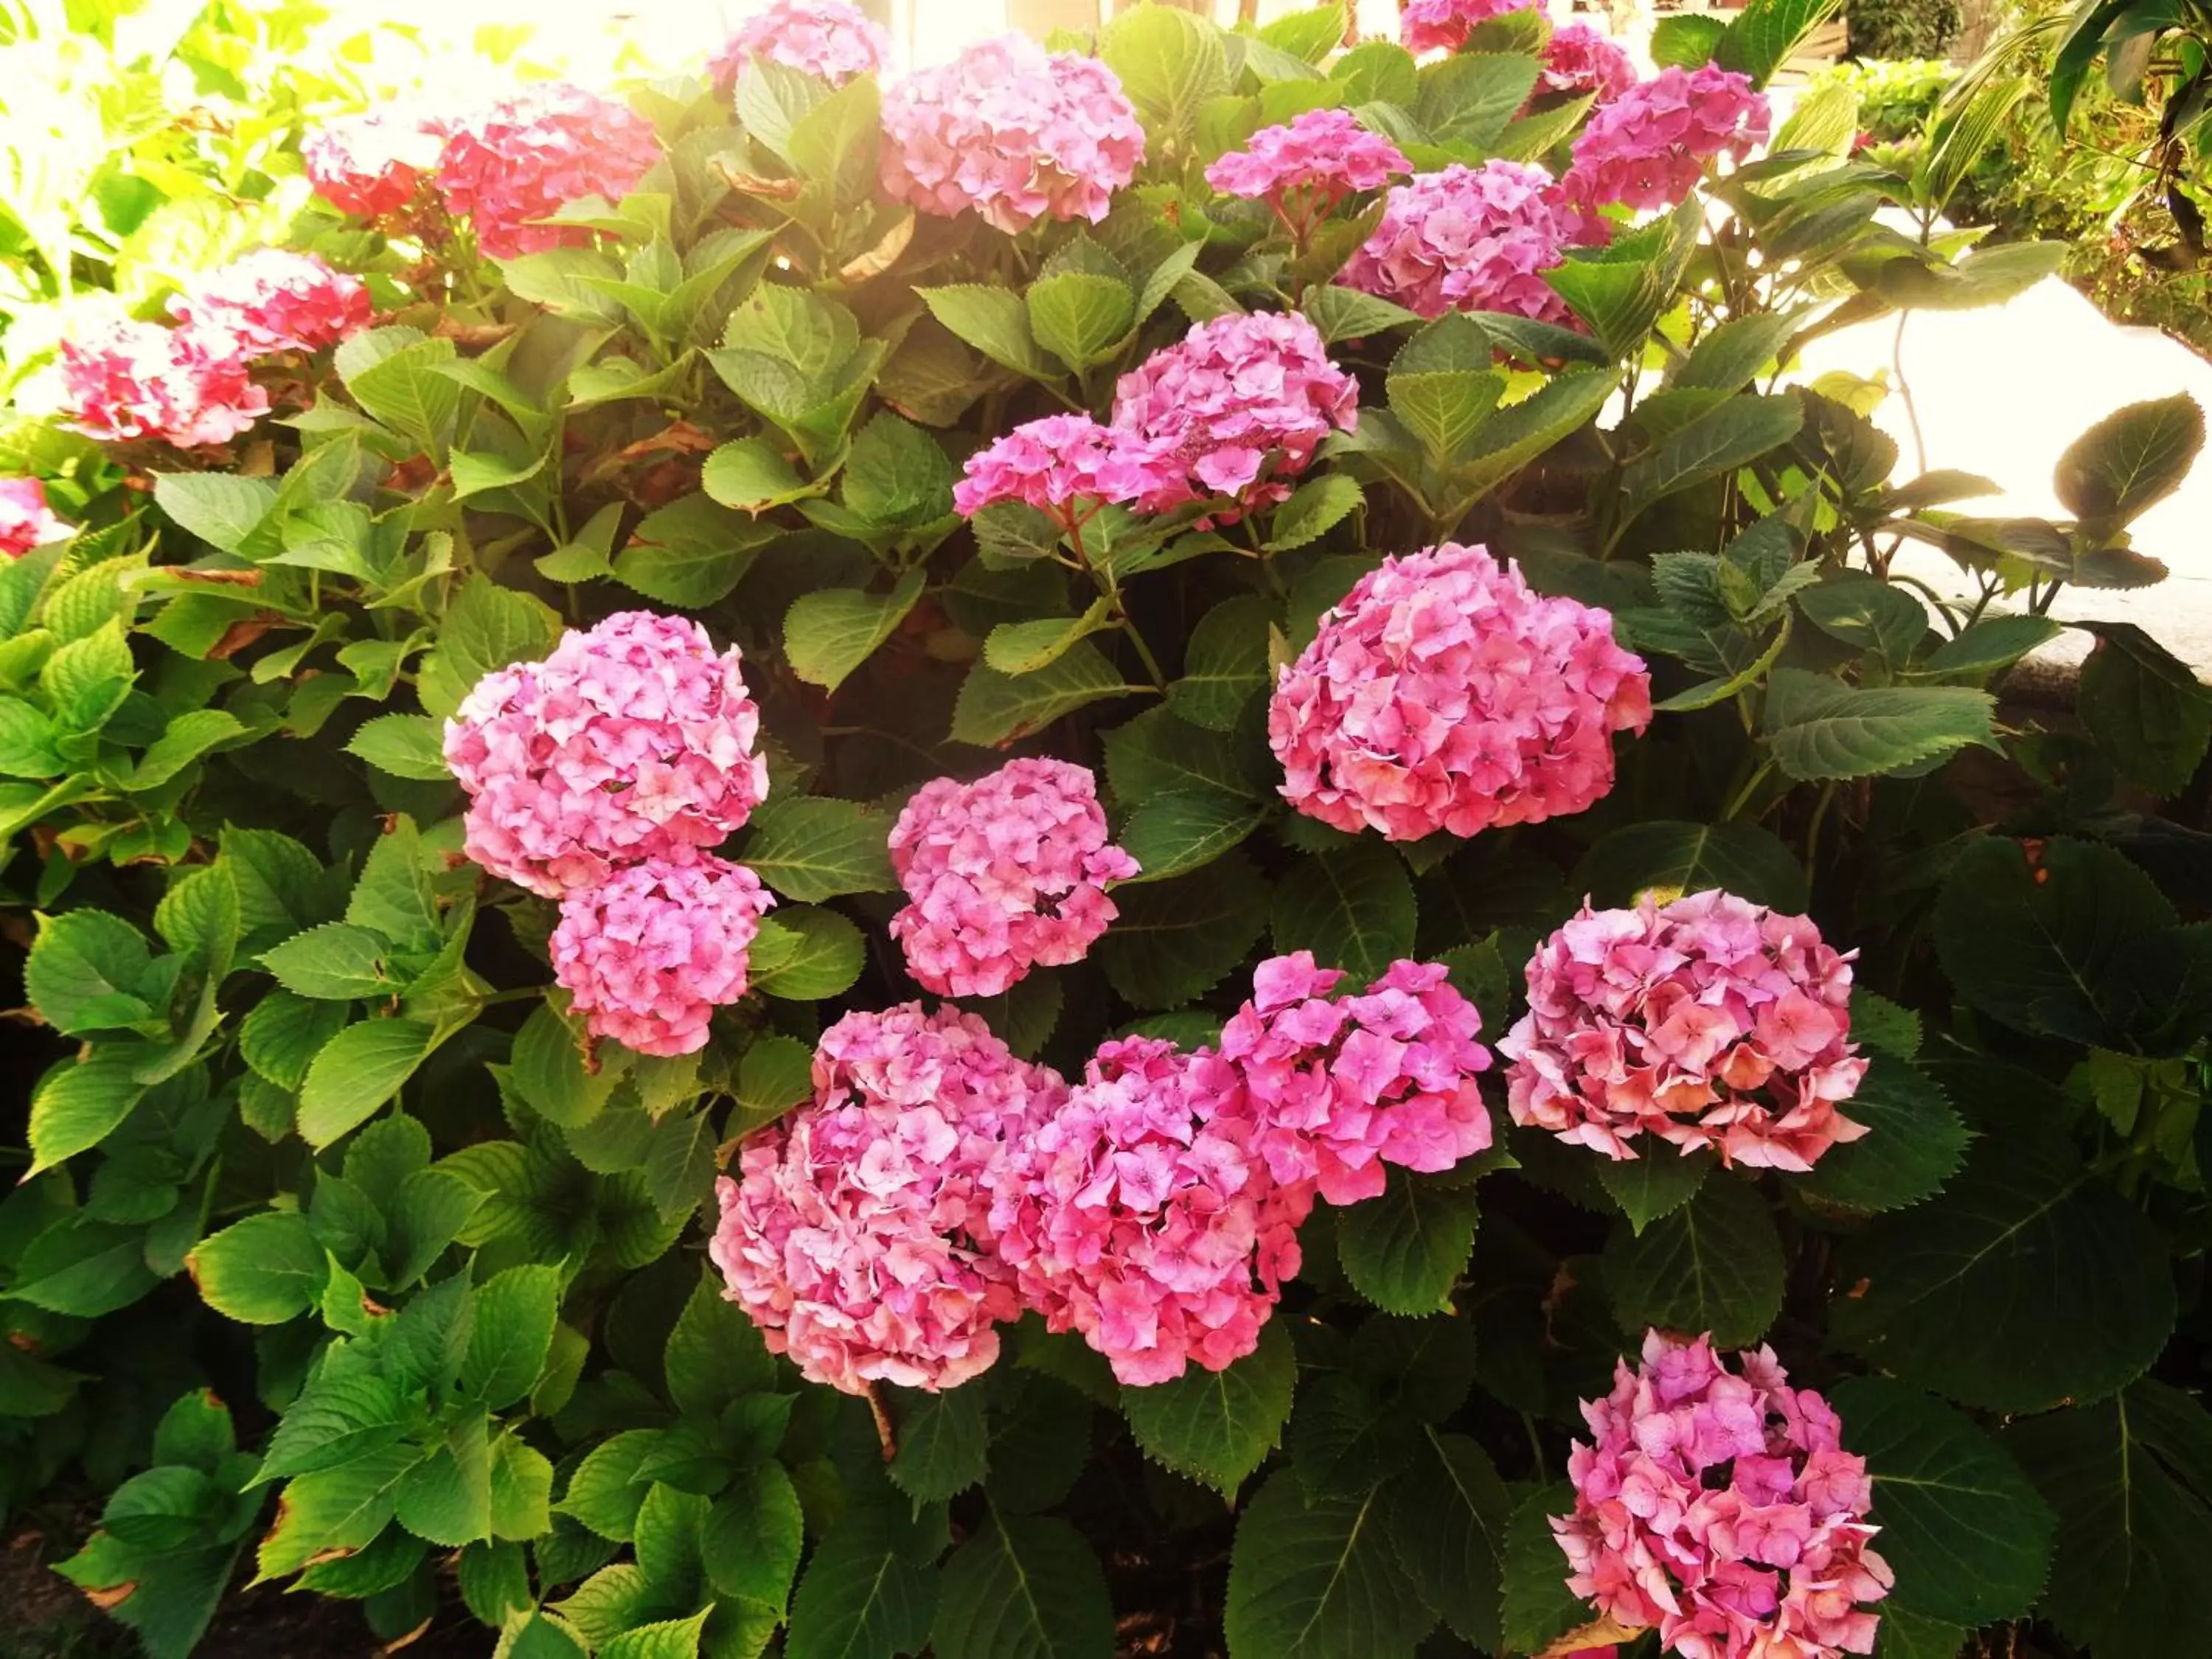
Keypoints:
(1468, 238)
(824, 38)
(521, 161)
(1649, 145)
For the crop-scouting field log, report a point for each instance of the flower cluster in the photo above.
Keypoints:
(1241, 398)
(26, 520)
(1442, 693)
(1014, 132)
(1002, 875)
(824, 38)
(1344, 1085)
(528, 156)
(1721, 1507)
(274, 299)
(648, 954)
(1467, 239)
(1710, 1022)
(1445, 25)
(374, 165)
(1577, 59)
(119, 379)
(634, 740)
(858, 1232)
(1649, 147)
(1304, 169)
(1064, 465)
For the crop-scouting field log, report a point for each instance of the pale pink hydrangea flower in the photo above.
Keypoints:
(1064, 465)
(1343, 1084)
(824, 38)
(26, 520)
(1445, 25)
(1142, 1215)
(1649, 147)
(531, 153)
(1303, 170)
(1003, 875)
(1014, 132)
(649, 953)
(1442, 693)
(858, 1233)
(273, 300)
(371, 166)
(1467, 239)
(1721, 1507)
(1242, 399)
(118, 379)
(1710, 1022)
(1578, 59)
(633, 740)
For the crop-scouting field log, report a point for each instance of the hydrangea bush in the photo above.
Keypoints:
(1134, 847)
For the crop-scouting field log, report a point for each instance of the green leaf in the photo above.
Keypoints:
(1764, 33)
(1024, 648)
(1219, 1426)
(86, 971)
(357, 1070)
(1983, 647)
(1079, 316)
(1732, 354)
(803, 954)
(1319, 1580)
(407, 392)
(1655, 1184)
(1714, 1265)
(340, 1509)
(85, 680)
(861, 1598)
(1175, 940)
(752, 475)
(486, 627)
(1819, 728)
(516, 1311)
(1986, 276)
(829, 633)
(1539, 1609)
(221, 508)
(261, 1270)
(2145, 707)
(1346, 313)
(448, 1497)
(750, 1545)
(715, 1356)
(1916, 1142)
(1317, 508)
(1405, 1250)
(336, 962)
(429, 1212)
(1725, 437)
(994, 709)
(2135, 457)
(1669, 859)
(83, 1267)
(1170, 834)
(1966, 1533)
(27, 742)
(605, 1492)
(775, 1075)
(834, 143)
(690, 552)
(1448, 1511)
(406, 746)
(943, 1445)
(1866, 612)
(341, 1415)
(1225, 666)
(79, 1103)
(1032, 1591)
(1471, 96)
(669, 1639)
(547, 1069)
(995, 321)
(1353, 909)
(183, 740)
(1170, 62)
(811, 847)
(896, 474)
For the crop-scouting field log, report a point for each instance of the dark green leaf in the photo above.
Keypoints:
(1219, 1426)
(1671, 859)
(861, 1598)
(1353, 909)
(1714, 1265)
(2134, 457)
(1819, 728)
(943, 1444)
(1915, 1142)
(2145, 707)
(1033, 1591)
(1319, 1580)
(1405, 1250)
(1655, 1184)
(1175, 941)
(1447, 1515)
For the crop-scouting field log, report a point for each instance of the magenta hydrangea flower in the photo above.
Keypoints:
(1445, 25)
(1064, 465)
(530, 155)
(1304, 169)
(273, 300)
(1710, 1022)
(1649, 147)
(633, 740)
(858, 1233)
(1578, 59)
(1237, 406)
(649, 953)
(1721, 1507)
(1467, 239)
(1344, 1085)
(1003, 875)
(1142, 1215)
(26, 520)
(1442, 693)
(824, 38)
(118, 379)
(372, 165)
(1013, 131)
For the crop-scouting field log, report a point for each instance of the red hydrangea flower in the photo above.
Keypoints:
(652, 951)
(824, 38)
(1710, 1022)
(1578, 59)
(1002, 875)
(858, 1233)
(1064, 465)
(1467, 239)
(1344, 1085)
(274, 299)
(1442, 693)
(1304, 169)
(1241, 398)
(372, 165)
(529, 155)
(118, 379)
(633, 740)
(1720, 1506)
(1014, 132)
(26, 520)
(1649, 146)
(1433, 25)
(1142, 1215)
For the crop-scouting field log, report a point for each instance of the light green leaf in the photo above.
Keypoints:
(221, 508)
(357, 1070)
(336, 962)
(85, 970)
(995, 321)
(516, 1311)
(1079, 316)
(1317, 508)
(994, 708)
(811, 847)
(803, 954)
(406, 746)
(1819, 728)
(183, 740)
(80, 1101)
(264, 1270)
(829, 633)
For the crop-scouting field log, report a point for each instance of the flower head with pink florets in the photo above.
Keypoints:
(118, 379)
(1649, 147)
(1467, 239)
(828, 39)
(1065, 466)
(1577, 59)
(1443, 694)
(273, 300)
(1003, 875)
(858, 1233)
(1710, 1022)
(1304, 169)
(1445, 25)
(633, 740)
(530, 155)
(1721, 1507)
(374, 165)
(26, 520)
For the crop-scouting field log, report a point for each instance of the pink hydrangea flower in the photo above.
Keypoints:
(26, 520)
(1467, 239)
(118, 379)
(1304, 169)
(372, 165)
(1442, 693)
(824, 38)
(858, 1233)
(649, 953)
(1064, 465)
(530, 155)
(1445, 25)
(1142, 1215)
(1014, 132)
(1344, 1085)
(633, 740)
(1578, 59)
(1242, 399)
(1710, 1022)
(274, 299)
(1003, 875)
(1721, 1507)
(1649, 147)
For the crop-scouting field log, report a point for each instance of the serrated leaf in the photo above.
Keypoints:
(1657, 1183)
(943, 1445)
(1319, 1580)
(1175, 941)
(336, 962)
(2132, 459)
(1915, 1143)
(828, 635)
(79, 1102)
(1317, 506)
(1184, 829)
(1669, 859)
(861, 1598)
(1079, 316)
(1405, 1250)
(406, 746)
(1219, 1426)
(1539, 1609)
(261, 1270)
(1718, 442)
(2143, 705)
(356, 1071)
(811, 847)
(803, 953)
(1819, 728)
(1448, 1515)
(516, 1311)
(994, 708)
(340, 1509)
(1225, 665)
(85, 972)
(1714, 1265)
(995, 322)
(1353, 909)
(1031, 1591)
